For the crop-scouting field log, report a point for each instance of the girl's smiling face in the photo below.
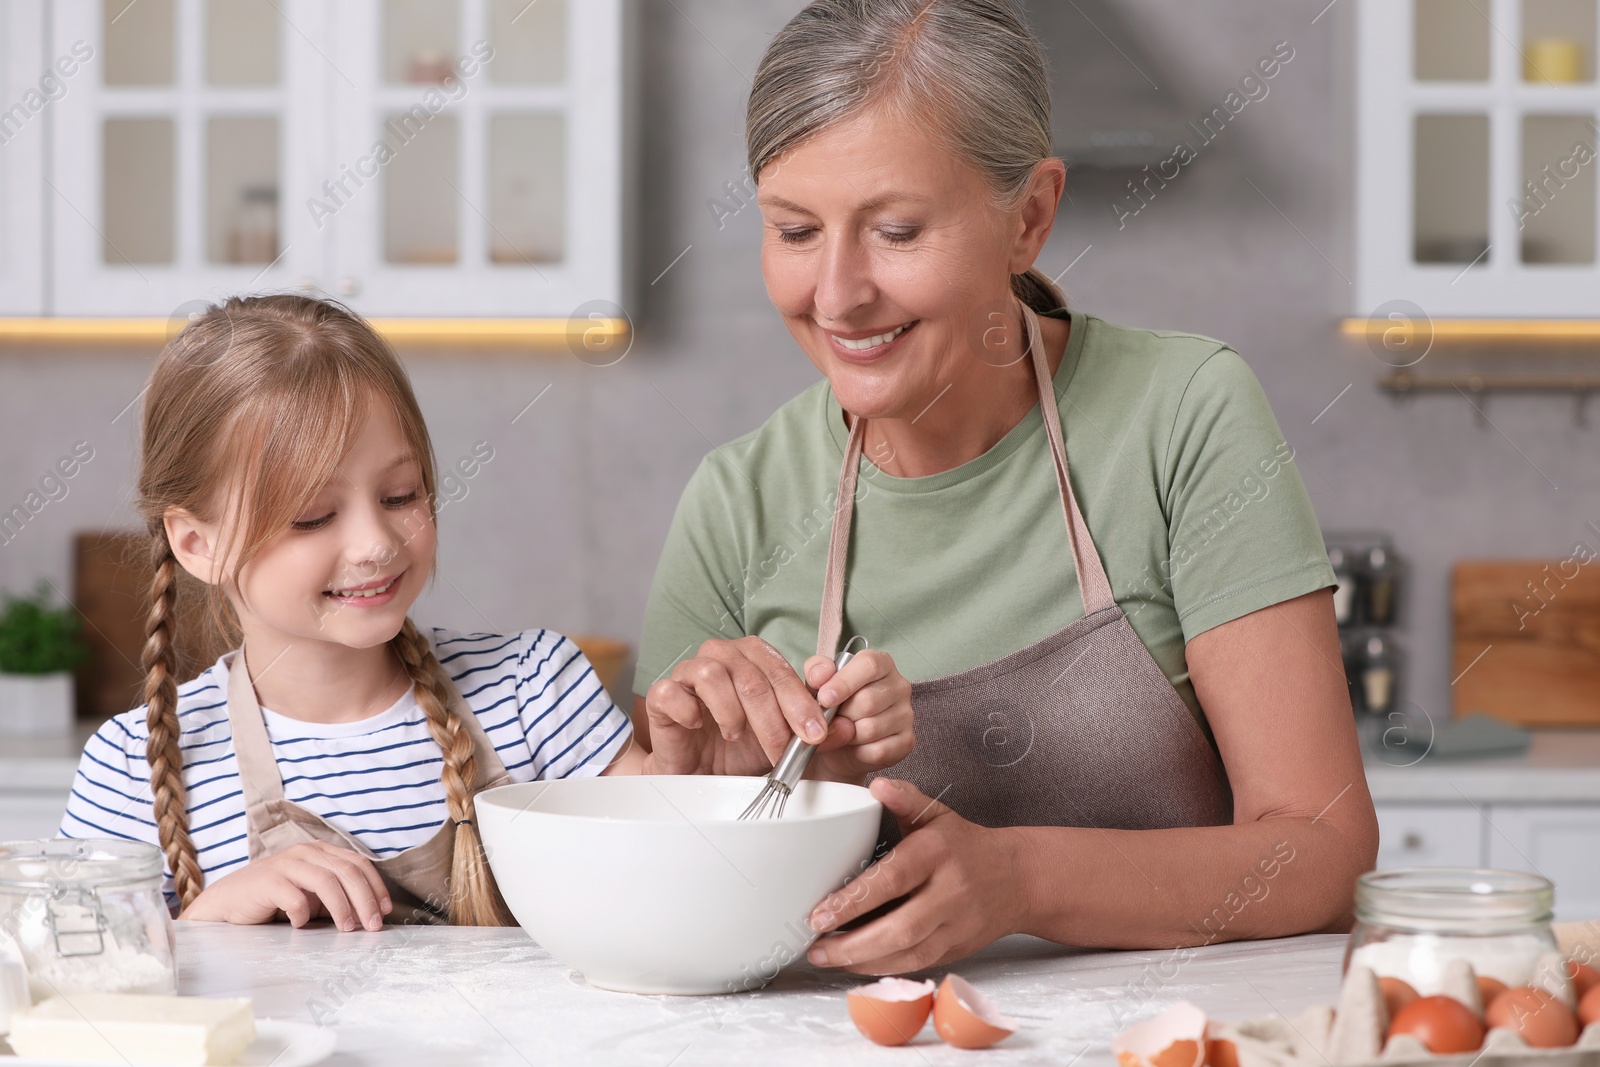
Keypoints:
(354, 560)
(887, 258)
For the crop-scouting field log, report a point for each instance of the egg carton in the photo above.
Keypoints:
(1353, 1035)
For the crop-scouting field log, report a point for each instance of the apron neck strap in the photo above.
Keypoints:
(258, 770)
(1094, 587)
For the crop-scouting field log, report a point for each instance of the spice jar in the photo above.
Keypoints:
(1411, 922)
(86, 915)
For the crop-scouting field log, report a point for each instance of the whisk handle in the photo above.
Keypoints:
(798, 754)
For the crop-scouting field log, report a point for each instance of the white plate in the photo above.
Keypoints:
(278, 1043)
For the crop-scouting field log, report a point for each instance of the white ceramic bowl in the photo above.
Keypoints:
(649, 884)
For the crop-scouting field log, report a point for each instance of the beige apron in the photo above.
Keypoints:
(418, 878)
(1080, 729)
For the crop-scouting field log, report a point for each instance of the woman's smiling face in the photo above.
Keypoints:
(872, 227)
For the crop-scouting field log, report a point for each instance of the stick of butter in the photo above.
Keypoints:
(134, 1028)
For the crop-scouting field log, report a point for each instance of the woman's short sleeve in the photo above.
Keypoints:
(1241, 530)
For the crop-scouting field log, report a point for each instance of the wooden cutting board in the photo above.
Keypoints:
(1526, 640)
(111, 589)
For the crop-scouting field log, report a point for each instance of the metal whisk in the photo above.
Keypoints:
(774, 795)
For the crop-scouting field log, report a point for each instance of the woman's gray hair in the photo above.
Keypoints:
(973, 68)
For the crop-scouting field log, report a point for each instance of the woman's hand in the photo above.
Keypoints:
(733, 708)
(307, 881)
(872, 728)
(964, 883)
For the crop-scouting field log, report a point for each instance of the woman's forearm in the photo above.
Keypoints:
(1168, 888)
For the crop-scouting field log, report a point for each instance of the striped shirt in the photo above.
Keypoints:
(538, 699)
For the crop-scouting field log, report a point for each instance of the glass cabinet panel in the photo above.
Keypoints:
(1451, 197)
(243, 42)
(1452, 40)
(140, 42)
(530, 42)
(1556, 211)
(138, 181)
(420, 211)
(421, 39)
(527, 188)
(1558, 40)
(242, 189)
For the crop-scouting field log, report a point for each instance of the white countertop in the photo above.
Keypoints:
(42, 763)
(1560, 766)
(464, 996)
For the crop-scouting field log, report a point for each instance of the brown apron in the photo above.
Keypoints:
(1080, 729)
(418, 878)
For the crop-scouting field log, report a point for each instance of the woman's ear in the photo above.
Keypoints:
(194, 544)
(1038, 215)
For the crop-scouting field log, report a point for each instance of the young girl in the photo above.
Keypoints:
(326, 767)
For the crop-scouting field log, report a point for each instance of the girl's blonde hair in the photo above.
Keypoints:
(972, 70)
(248, 413)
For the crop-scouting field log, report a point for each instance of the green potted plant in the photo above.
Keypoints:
(40, 644)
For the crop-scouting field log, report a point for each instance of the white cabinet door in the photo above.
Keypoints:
(29, 815)
(1429, 835)
(1559, 841)
(478, 167)
(182, 150)
(1476, 160)
(30, 85)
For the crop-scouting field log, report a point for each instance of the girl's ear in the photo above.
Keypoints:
(193, 543)
(1038, 215)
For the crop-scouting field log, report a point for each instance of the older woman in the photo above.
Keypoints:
(1131, 719)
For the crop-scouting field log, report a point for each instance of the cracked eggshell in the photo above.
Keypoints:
(965, 1018)
(890, 1011)
(1175, 1038)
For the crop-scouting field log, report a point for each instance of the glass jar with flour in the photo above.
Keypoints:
(1411, 922)
(86, 916)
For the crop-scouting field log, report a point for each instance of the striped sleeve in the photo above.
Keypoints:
(572, 726)
(111, 792)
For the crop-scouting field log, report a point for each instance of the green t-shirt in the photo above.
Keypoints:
(1183, 475)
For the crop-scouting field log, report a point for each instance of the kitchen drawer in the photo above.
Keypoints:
(1559, 841)
(26, 815)
(1429, 835)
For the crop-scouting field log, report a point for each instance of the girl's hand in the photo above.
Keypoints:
(307, 881)
(964, 883)
(872, 728)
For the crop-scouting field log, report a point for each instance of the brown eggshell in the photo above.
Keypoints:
(1397, 993)
(1174, 1038)
(1589, 1007)
(965, 1018)
(1443, 1024)
(890, 1011)
(1584, 977)
(1489, 988)
(1535, 1014)
(1220, 1052)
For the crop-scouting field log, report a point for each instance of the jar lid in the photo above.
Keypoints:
(1453, 898)
(89, 861)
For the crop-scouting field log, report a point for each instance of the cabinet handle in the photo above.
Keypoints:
(1412, 841)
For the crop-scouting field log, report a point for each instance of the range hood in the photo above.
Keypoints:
(1113, 107)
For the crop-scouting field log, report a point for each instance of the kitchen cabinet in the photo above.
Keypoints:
(417, 159)
(1476, 159)
(1560, 841)
(30, 814)
(28, 88)
(1429, 835)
